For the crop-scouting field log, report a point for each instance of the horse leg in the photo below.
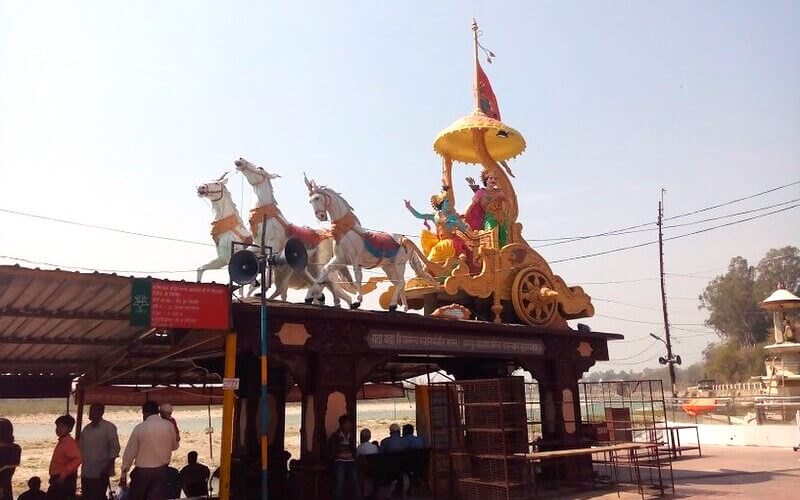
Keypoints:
(217, 263)
(282, 274)
(400, 269)
(357, 282)
(306, 275)
(337, 290)
(391, 273)
(315, 290)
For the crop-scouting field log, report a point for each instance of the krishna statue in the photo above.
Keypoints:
(445, 243)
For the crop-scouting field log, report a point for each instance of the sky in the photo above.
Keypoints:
(111, 113)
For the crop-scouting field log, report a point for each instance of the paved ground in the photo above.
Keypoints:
(739, 472)
(726, 471)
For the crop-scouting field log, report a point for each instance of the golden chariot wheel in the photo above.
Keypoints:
(533, 297)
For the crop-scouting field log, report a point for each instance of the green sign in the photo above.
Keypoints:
(141, 302)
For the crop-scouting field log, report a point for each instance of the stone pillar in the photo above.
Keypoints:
(330, 392)
(561, 411)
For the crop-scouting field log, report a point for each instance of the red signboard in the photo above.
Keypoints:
(168, 304)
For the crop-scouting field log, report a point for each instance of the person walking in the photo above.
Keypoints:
(10, 454)
(99, 444)
(797, 422)
(65, 462)
(150, 447)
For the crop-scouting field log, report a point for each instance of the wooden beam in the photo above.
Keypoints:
(44, 361)
(45, 314)
(167, 355)
(16, 339)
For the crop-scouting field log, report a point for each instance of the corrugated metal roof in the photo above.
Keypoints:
(71, 323)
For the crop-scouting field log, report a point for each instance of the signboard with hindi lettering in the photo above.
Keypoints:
(168, 304)
(451, 344)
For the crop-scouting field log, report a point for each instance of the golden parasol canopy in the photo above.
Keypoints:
(502, 141)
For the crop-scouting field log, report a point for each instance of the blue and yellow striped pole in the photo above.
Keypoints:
(228, 403)
(264, 403)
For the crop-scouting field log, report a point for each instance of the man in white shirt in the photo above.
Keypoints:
(150, 447)
(99, 446)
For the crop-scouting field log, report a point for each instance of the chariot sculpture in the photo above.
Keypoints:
(481, 260)
(477, 262)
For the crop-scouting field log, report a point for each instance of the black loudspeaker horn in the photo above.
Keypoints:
(294, 255)
(244, 267)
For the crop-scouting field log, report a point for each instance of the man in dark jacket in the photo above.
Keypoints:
(341, 451)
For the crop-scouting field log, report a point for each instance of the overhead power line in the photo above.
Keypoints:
(644, 322)
(103, 228)
(636, 228)
(93, 269)
(731, 202)
(699, 231)
(637, 354)
(566, 239)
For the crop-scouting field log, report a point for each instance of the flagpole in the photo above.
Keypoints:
(476, 83)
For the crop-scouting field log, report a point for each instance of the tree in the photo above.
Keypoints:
(732, 298)
(730, 363)
(780, 265)
(733, 305)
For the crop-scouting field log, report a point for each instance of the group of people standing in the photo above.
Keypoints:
(149, 448)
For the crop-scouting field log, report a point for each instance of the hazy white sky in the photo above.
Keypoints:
(112, 112)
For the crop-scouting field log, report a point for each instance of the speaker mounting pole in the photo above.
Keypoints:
(244, 267)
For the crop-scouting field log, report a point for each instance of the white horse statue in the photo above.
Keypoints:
(360, 248)
(227, 227)
(319, 244)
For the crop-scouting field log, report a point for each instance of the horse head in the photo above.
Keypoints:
(214, 190)
(254, 175)
(318, 199)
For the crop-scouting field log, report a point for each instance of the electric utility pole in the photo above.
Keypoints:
(668, 342)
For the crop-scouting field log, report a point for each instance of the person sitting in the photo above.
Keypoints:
(172, 485)
(366, 448)
(34, 490)
(394, 442)
(194, 477)
(416, 475)
(414, 442)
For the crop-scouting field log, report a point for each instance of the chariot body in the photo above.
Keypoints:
(484, 263)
